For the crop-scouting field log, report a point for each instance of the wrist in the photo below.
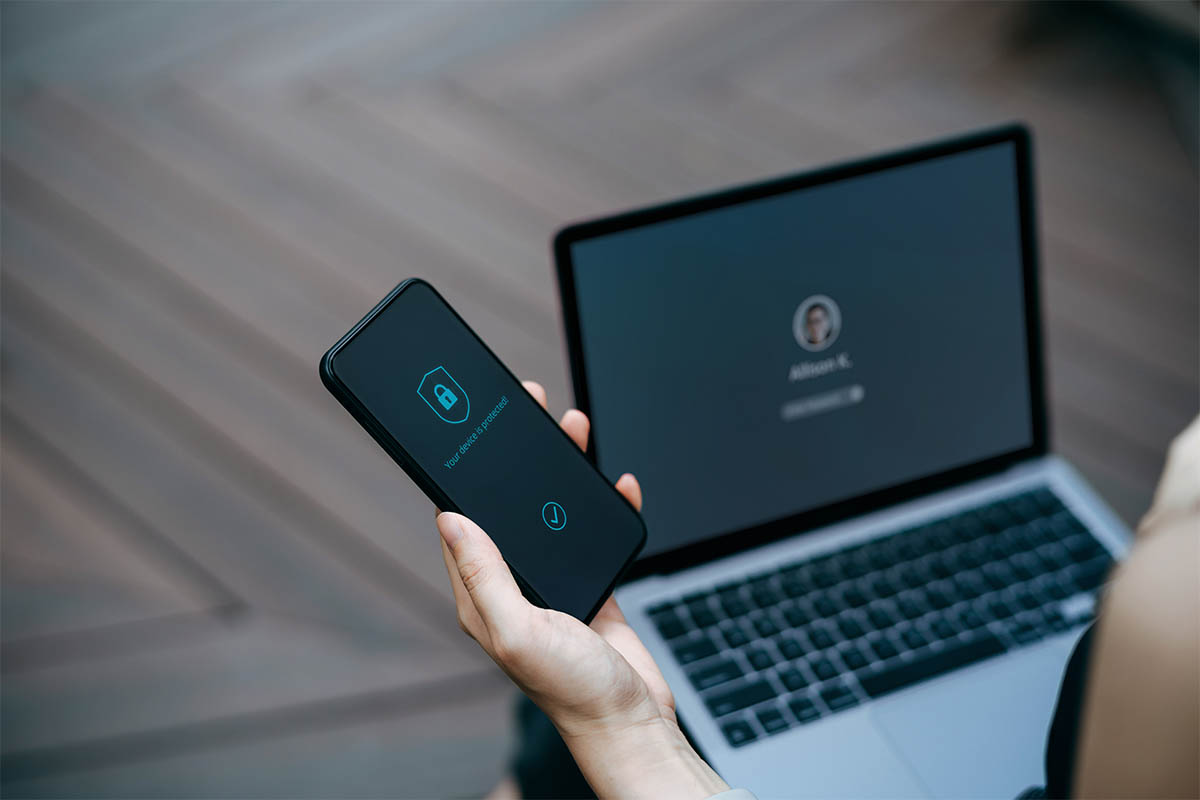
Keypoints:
(644, 757)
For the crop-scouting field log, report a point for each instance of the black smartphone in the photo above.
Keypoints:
(437, 399)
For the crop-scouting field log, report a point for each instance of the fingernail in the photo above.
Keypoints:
(450, 528)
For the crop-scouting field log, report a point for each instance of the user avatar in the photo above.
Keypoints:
(817, 323)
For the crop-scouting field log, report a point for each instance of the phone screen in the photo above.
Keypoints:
(489, 450)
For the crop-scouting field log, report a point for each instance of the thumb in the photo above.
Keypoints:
(481, 569)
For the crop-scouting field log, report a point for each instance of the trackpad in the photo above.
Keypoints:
(980, 732)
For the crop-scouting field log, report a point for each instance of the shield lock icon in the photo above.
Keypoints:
(445, 396)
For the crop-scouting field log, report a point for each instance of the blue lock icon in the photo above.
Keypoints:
(445, 396)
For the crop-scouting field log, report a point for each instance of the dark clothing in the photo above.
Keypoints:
(543, 765)
(544, 768)
(1063, 741)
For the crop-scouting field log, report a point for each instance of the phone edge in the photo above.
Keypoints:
(414, 471)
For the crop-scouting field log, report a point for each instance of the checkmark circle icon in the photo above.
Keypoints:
(554, 516)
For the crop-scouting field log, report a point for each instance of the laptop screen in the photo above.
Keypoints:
(764, 358)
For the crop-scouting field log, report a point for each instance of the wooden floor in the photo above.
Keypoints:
(214, 584)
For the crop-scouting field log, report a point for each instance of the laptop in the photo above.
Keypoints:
(865, 571)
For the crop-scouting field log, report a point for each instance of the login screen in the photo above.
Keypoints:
(766, 358)
(474, 431)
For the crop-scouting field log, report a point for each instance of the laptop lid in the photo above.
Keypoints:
(778, 356)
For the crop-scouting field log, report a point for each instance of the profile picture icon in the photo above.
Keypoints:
(817, 323)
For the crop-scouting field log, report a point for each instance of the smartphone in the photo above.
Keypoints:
(445, 408)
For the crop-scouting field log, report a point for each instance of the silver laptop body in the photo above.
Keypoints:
(894, 612)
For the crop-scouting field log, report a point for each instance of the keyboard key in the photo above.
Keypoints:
(760, 579)
(884, 648)
(999, 609)
(824, 571)
(1054, 556)
(1024, 598)
(727, 701)
(820, 637)
(804, 709)
(882, 586)
(734, 636)
(912, 638)
(738, 732)
(793, 587)
(849, 626)
(967, 526)
(697, 598)
(1091, 574)
(823, 668)
(907, 547)
(908, 606)
(824, 606)
(1024, 632)
(1082, 546)
(1046, 500)
(999, 575)
(703, 618)
(734, 606)
(969, 584)
(855, 568)
(838, 696)
(854, 597)
(1025, 565)
(1022, 507)
(942, 628)
(715, 673)
(880, 615)
(797, 571)
(759, 658)
(996, 517)
(937, 537)
(930, 664)
(940, 596)
(772, 720)
(792, 679)
(1055, 621)
(669, 624)
(694, 649)
(795, 616)
(910, 576)
(765, 627)
(1065, 525)
(970, 619)
(789, 648)
(765, 598)
(853, 658)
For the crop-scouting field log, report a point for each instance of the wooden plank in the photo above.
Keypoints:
(450, 740)
(317, 452)
(68, 566)
(232, 190)
(270, 545)
(254, 676)
(439, 215)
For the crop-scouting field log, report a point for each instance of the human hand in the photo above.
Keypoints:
(597, 683)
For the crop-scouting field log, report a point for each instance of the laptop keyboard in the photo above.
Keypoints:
(812, 638)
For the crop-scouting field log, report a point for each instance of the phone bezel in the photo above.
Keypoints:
(414, 470)
(737, 540)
